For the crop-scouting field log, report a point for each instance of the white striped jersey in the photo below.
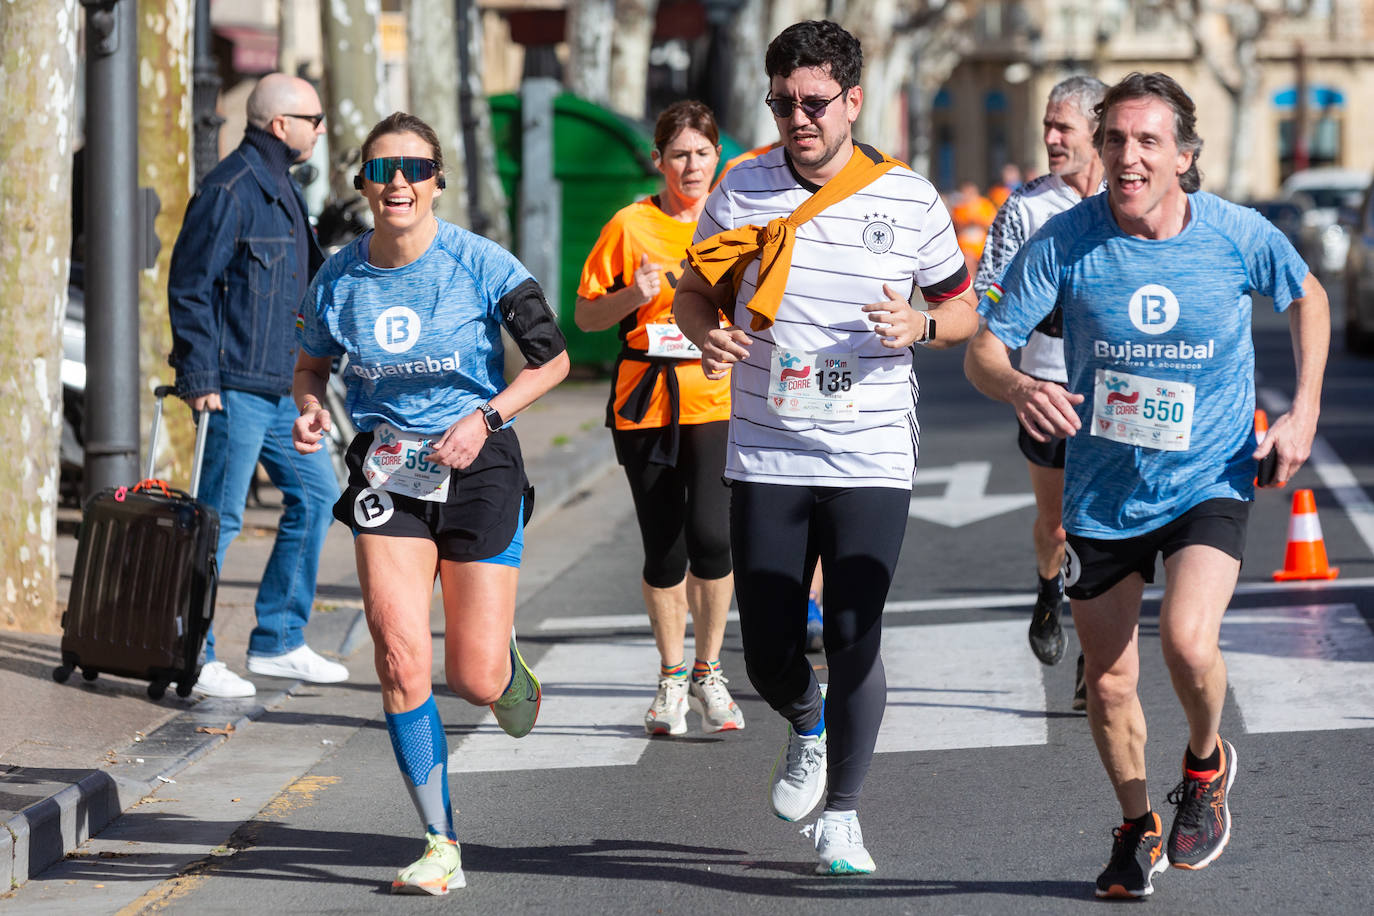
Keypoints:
(1027, 209)
(895, 231)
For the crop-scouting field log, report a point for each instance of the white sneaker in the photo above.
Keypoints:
(710, 700)
(840, 844)
(668, 714)
(302, 664)
(798, 776)
(216, 680)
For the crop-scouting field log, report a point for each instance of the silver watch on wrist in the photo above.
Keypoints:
(491, 416)
(929, 334)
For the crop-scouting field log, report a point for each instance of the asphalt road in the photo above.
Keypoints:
(985, 797)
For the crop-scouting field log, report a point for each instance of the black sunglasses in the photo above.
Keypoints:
(315, 119)
(812, 108)
(411, 168)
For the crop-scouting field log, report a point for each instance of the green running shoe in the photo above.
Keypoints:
(518, 707)
(440, 868)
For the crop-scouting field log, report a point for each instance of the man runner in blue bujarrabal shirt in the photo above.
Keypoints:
(1154, 279)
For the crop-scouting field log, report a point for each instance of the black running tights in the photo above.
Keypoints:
(776, 535)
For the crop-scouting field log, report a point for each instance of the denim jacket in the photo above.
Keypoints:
(233, 287)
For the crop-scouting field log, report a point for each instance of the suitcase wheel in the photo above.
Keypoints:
(90, 674)
(61, 673)
(184, 688)
(156, 689)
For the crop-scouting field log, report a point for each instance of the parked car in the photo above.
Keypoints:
(1359, 280)
(1329, 189)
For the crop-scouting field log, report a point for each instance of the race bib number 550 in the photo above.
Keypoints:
(1144, 411)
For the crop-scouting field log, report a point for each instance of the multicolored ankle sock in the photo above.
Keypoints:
(678, 670)
(704, 669)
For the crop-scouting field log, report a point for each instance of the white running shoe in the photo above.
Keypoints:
(668, 714)
(216, 680)
(798, 780)
(840, 844)
(302, 664)
(710, 700)
(435, 873)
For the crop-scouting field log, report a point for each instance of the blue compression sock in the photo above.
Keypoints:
(421, 749)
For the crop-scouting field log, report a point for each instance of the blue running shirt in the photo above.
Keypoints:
(423, 341)
(1169, 310)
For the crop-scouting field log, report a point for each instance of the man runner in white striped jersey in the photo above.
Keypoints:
(823, 430)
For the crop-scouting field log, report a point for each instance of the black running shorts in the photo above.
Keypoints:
(477, 521)
(1094, 565)
(1042, 454)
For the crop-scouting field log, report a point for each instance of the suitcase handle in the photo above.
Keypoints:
(161, 393)
(148, 483)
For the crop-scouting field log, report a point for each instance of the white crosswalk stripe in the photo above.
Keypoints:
(961, 685)
(1301, 668)
(950, 686)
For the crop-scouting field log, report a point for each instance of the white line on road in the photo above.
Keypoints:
(1301, 668)
(640, 622)
(592, 713)
(961, 685)
(1334, 474)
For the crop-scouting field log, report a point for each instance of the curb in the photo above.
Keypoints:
(47, 830)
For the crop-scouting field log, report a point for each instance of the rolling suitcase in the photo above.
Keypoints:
(143, 588)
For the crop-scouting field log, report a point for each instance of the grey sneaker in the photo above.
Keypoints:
(798, 780)
(668, 714)
(518, 707)
(840, 845)
(710, 699)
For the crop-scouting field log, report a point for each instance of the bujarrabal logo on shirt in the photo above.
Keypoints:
(397, 330)
(1154, 310)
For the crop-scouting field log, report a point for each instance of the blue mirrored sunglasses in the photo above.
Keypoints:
(411, 168)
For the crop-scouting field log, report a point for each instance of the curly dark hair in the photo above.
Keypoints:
(1163, 87)
(816, 43)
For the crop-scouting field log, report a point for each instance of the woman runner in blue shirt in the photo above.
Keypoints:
(436, 485)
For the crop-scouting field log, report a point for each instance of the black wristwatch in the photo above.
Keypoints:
(492, 417)
(929, 334)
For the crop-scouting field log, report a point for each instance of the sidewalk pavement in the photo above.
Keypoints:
(74, 756)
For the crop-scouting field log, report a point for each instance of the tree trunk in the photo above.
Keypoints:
(164, 164)
(874, 23)
(745, 117)
(432, 61)
(487, 198)
(630, 41)
(38, 40)
(353, 82)
(591, 23)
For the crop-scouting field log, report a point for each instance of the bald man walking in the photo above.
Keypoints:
(242, 262)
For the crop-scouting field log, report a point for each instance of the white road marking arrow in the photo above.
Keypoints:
(963, 501)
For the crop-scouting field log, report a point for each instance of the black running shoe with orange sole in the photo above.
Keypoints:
(1046, 634)
(1202, 824)
(1137, 856)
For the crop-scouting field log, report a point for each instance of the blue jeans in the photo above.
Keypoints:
(255, 428)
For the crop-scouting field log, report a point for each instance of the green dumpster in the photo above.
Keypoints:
(602, 162)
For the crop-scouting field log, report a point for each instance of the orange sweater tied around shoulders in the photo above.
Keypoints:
(734, 249)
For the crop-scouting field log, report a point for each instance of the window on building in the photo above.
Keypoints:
(1325, 122)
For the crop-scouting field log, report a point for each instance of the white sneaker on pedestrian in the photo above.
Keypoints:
(216, 680)
(710, 700)
(668, 714)
(301, 663)
(840, 844)
(798, 780)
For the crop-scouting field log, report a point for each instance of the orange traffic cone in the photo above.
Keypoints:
(1306, 554)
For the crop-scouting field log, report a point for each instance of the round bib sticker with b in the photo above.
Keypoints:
(398, 461)
(814, 386)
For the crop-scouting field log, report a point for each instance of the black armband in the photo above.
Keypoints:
(531, 323)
